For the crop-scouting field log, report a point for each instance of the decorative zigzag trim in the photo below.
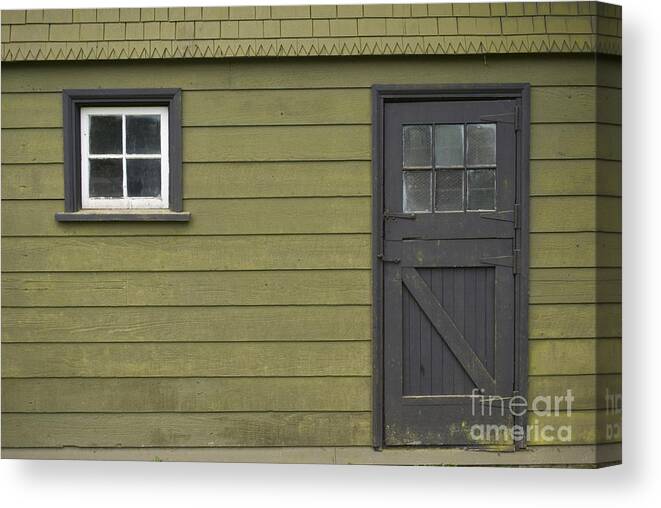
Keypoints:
(416, 45)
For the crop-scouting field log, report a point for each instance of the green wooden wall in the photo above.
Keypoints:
(251, 325)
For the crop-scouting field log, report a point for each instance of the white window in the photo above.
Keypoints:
(124, 157)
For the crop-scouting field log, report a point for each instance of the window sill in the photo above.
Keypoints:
(123, 216)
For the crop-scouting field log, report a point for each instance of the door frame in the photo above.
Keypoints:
(383, 94)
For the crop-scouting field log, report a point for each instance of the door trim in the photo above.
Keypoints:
(382, 94)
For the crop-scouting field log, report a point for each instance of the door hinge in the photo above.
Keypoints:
(511, 261)
(517, 118)
(513, 216)
(388, 215)
(384, 259)
(516, 255)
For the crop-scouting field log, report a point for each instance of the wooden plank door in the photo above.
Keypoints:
(449, 261)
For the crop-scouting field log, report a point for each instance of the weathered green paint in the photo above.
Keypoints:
(271, 276)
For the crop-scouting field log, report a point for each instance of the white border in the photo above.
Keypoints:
(89, 203)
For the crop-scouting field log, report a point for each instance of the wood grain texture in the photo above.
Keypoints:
(217, 180)
(294, 215)
(577, 456)
(549, 104)
(577, 356)
(105, 254)
(310, 179)
(314, 143)
(575, 177)
(590, 391)
(322, 72)
(307, 287)
(266, 216)
(575, 250)
(271, 277)
(575, 285)
(344, 358)
(186, 429)
(575, 320)
(186, 395)
(580, 427)
(186, 324)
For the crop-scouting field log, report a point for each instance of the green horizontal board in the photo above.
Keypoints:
(313, 107)
(277, 107)
(302, 287)
(193, 324)
(26, 146)
(312, 72)
(576, 141)
(575, 250)
(195, 359)
(575, 177)
(208, 217)
(577, 356)
(576, 104)
(217, 180)
(591, 391)
(575, 285)
(575, 321)
(186, 430)
(186, 395)
(106, 254)
(32, 181)
(277, 179)
(601, 213)
(579, 427)
(279, 143)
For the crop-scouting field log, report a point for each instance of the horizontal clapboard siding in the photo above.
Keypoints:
(313, 143)
(251, 325)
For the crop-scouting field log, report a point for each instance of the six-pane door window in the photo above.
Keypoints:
(124, 157)
(449, 167)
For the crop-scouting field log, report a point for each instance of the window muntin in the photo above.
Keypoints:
(449, 168)
(124, 157)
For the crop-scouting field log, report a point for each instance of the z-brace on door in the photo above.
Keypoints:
(451, 264)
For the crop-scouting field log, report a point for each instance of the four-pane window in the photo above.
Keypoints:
(124, 157)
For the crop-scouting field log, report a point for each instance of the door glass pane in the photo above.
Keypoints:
(481, 189)
(105, 134)
(481, 144)
(449, 145)
(143, 134)
(106, 178)
(417, 191)
(417, 146)
(143, 177)
(449, 190)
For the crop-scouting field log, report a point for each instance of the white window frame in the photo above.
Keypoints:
(125, 202)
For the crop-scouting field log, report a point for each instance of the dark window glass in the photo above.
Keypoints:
(105, 135)
(481, 189)
(106, 178)
(143, 177)
(143, 134)
(449, 190)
